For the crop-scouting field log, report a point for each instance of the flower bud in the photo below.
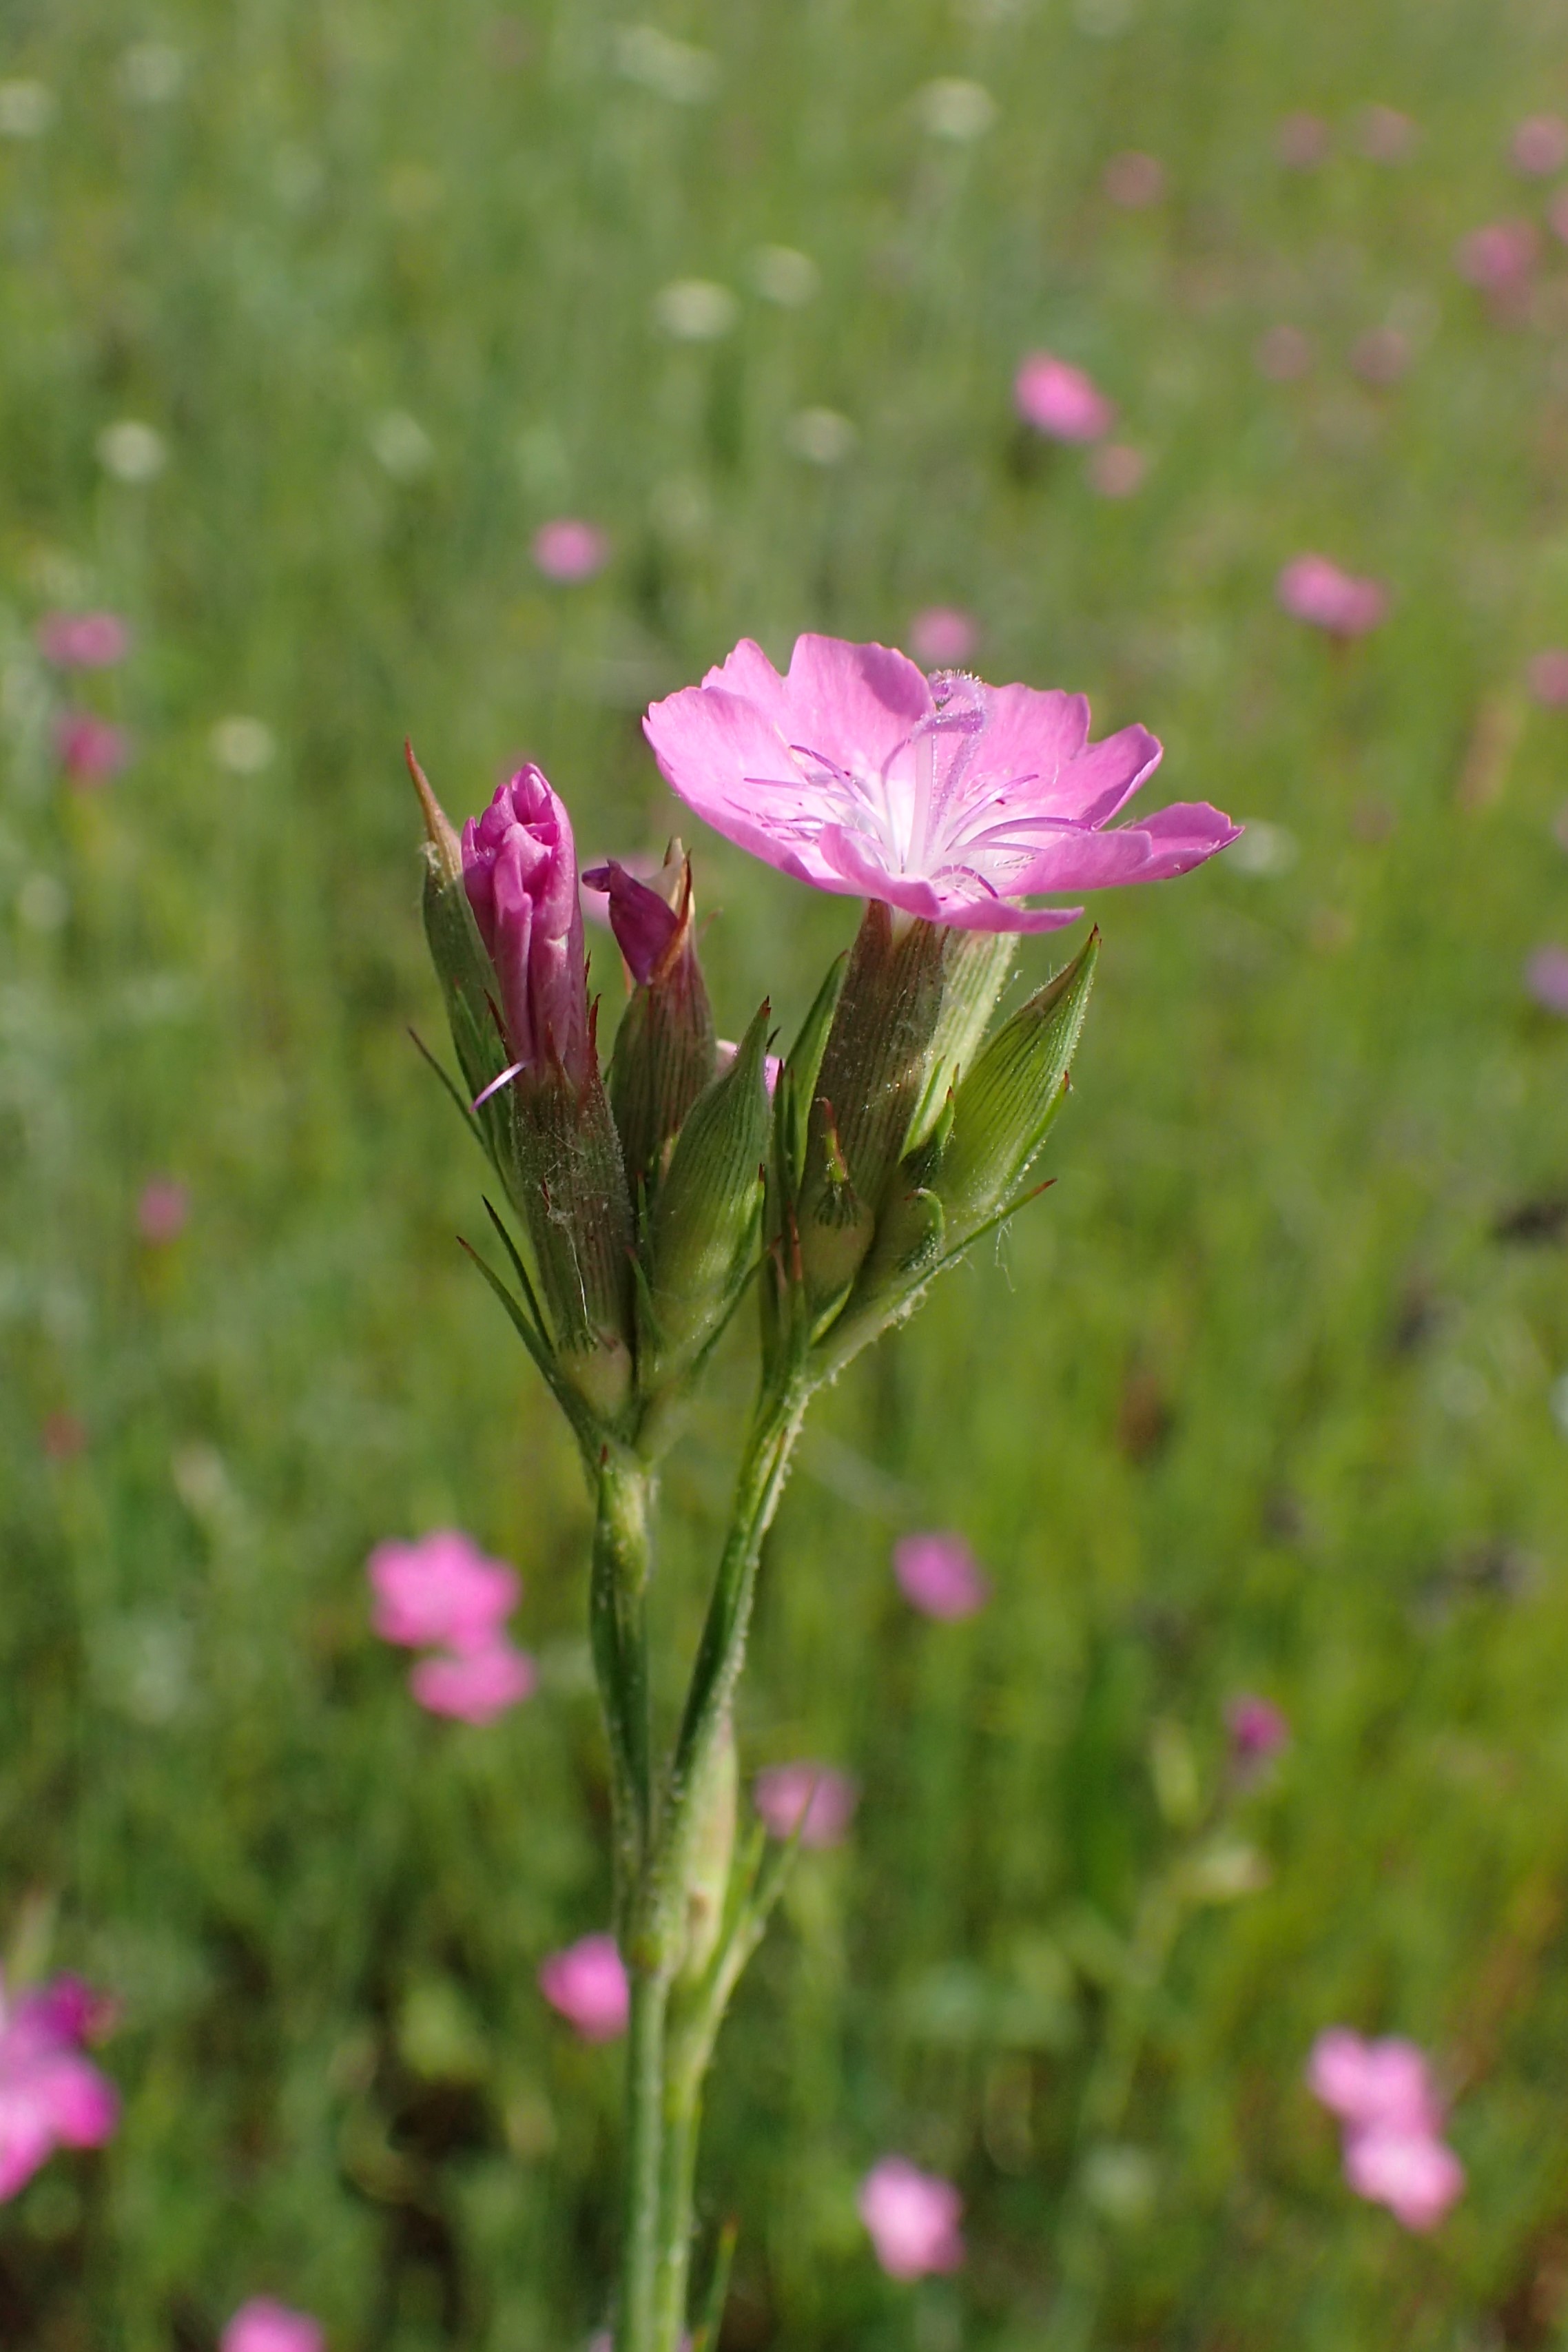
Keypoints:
(707, 1217)
(520, 871)
(664, 1052)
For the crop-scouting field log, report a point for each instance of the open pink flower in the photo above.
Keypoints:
(1386, 2084)
(477, 1686)
(1059, 400)
(943, 637)
(568, 550)
(912, 2217)
(939, 1576)
(945, 797)
(163, 1211)
(90, 749)
(1313, 589)
(50, 2095)
(1418, 2177)
(812, 1798)
(442, 1589)
(587, 1984)
(263, 2326)
(83, 640)
(520, 871)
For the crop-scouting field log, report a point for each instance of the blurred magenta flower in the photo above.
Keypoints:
(1283, 354)
(263, 2326)
(1500, 257)
(1301, 141)
(813, 1798)
(1546, 978)
(1540, 146)
(947, 798)
(162, 1209)
(1059, 400)
(1384, 134)
(1417, 2177)
(569, 549)
(1382, 355)
(1548, 678)
(1134, 180)
(1386, 2084)
(586, 1983)
(943, 636)
(442, 1591)
(83, 640)
(90, 749)
(1257, 1728)
(1314, 588)
(50, 2095)
(1116, 469)
(520, 871)
(912, 2218)
(939, 1576)
(475, 1685)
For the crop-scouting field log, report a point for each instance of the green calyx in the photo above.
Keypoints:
(704, 1223)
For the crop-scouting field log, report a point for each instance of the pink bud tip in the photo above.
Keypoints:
(939, 1576)
(912, 2218)
(587, 1984)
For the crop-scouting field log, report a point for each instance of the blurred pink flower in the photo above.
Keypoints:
(1548, 678)
(587, 1984)
(945, 797)
(827, 1798)
(1301, 140)
(263, 2326)
(475, 1685)
(1546, 978)
(1540, 146)
(63, 1436)
(569, 549)
(442, 1589)
(1500, 257)
(1384, 2085)
(1283, 354)
(50, 2097)
(1257, 1728)
(939, 1576)
(162, 1209)
(1134, 180)
(1382, 355)
(912, 2218)
(1059, 400)
(1384, 134)
(1116, 469)
(1416, 2175)
(83, 640)
(1313, 589)
(943, 637)
(90, 749)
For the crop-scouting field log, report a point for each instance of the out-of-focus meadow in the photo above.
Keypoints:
(1260, 1398)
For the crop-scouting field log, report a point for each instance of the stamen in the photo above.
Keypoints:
(496, 1085)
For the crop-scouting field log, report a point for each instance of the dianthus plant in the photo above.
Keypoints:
(649, 1198)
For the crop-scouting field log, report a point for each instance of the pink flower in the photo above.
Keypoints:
(943, 637)
(1557, 215)
(474, 1685)
(1301, 141)
(1283, 354)
(950, 799)
(1257, 1728)
(1546, 977)
(646, 926)
(520, 874)
(1134, 180)
(1385, 2085)
(1548, 677)
(587, 1984)
(1384, 134)
(569, 549)
(162, 1211)
(1415, 2175)
(725, 1050)
(912, 2218)
(1381, 356)
(90, 749)
(50, 2097)
(813, 1798)
(83, 640)
(1313, 589)
(939, 1576)
(1499, 257)
(1116, 469)
(1059, 400)
(1540, 146)
(263, 2326)
(442, 1589)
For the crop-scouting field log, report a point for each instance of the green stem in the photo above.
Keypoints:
(686, 2064)
(637, 2330)
(618, 1631)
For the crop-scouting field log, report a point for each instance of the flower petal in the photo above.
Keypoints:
(855, 703)
(720, 753)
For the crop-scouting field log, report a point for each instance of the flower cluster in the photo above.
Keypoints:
(442, 1595)
(1391, 2119)
(50, 2095)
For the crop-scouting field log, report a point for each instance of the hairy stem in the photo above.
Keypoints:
(618, 1631)
(641, 2250)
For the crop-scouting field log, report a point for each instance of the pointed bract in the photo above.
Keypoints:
(706, 1220)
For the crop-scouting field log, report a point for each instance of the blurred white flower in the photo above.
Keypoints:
(26, 109)
(151, 73)
(695, 310)
(244, 746)
(401, 445)
(1120, 2182)
(821, 436)
(131, 451)
(781, 274)
(955, 110)
(671, 69)
(1263, 850)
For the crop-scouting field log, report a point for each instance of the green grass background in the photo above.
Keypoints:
(1256, 1398)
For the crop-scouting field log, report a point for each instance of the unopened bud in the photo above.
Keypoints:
(664, 1052)
(707, 1217)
